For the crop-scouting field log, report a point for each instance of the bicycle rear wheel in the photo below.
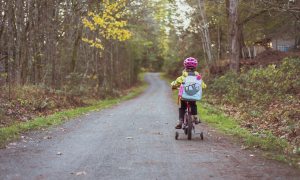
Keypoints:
(190, 127)
(185, 123)
(176, 135)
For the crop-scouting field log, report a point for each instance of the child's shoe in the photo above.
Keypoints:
(196, 119)
(179, 125)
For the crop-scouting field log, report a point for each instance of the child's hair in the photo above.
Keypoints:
(190, 68)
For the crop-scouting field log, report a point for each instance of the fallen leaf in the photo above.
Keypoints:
(81, 173)
(47, 137)
(244, 147)
(158, 133)
(12, 144)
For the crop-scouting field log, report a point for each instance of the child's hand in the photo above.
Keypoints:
(204, 85)
(173, 83)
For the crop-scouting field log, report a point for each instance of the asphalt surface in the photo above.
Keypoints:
(134, 140)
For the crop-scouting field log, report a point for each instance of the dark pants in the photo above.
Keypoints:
(182, 109)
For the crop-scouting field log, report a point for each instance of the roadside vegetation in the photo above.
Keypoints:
(55, 115)
(262, 98)
(271, 146)
(28, 102)
(265, 101)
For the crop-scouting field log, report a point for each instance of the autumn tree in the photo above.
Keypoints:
(106, 27)
(41, 43)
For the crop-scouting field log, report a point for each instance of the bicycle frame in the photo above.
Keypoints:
(187, 112)
(188, 125)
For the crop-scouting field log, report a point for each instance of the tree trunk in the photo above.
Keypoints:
(75, 49)
(219, 42)
(234, 35)
(205, 32)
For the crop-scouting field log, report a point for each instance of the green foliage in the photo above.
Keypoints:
(262, 84)
(265, 140)
(146, 45)
(2, 112)
(263, 99)
(77, 84)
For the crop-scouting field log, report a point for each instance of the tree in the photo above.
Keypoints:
(42, 43)
(234, 30)
(205, 34)
(107, 24)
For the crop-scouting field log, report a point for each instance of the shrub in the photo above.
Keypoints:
(262, 84)
(263, 98)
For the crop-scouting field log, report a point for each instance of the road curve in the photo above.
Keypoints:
(134, 140)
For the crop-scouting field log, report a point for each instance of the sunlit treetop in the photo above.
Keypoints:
(108, 24)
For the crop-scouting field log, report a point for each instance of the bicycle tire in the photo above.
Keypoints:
(185, 124)
(190, 127)
(201, 135)
(176, 135)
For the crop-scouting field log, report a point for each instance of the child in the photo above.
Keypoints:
(190, 65)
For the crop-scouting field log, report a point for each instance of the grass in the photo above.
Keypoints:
(11, 133)
(273, 147)
(263, 140)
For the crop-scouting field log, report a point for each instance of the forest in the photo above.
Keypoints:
(60, 54)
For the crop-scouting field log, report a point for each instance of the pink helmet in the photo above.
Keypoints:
(190, 62)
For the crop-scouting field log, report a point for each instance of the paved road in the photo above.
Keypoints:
(134, 140)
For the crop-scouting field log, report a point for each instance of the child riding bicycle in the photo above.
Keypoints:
(190, 65)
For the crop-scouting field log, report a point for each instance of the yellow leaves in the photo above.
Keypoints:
(88, 24)
(118, 34)
(107, 23)
(94, 43)
(118, 15)
(98, 20)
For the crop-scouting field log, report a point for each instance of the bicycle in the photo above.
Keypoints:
(188, 124)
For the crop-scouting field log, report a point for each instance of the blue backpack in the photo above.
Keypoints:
(192, 87)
